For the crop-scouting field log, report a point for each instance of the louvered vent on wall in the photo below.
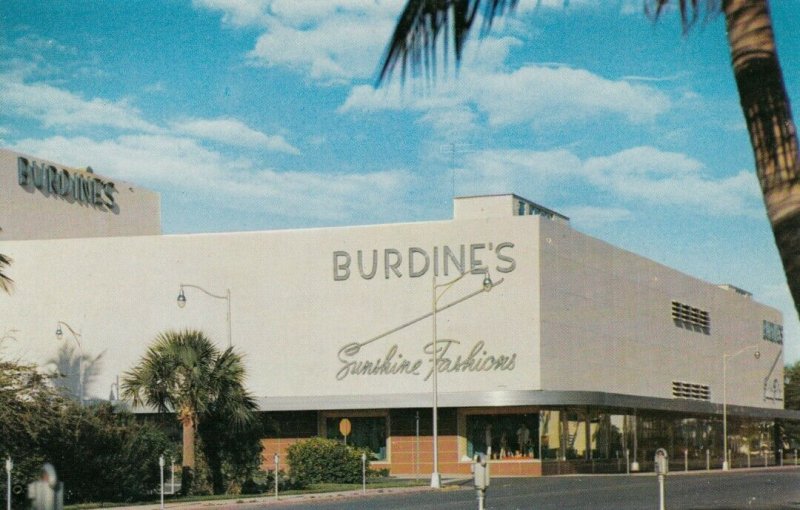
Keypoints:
(689, 317)
(690, 391)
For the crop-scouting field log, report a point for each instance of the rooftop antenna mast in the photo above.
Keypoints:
(454, 148)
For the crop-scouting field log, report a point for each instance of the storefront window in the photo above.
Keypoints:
(510, 436)
(366, 432)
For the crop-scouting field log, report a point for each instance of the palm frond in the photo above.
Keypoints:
(422, 22)
(184, 372)
(6, 283)
(689, 10)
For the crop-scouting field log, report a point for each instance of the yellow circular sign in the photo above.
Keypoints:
(345, 427)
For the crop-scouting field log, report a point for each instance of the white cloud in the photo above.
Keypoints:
(237, 12)
(235, 133)
(533, 94)
(54, 107)
(637, 176)
(59, 108)
(452, 123)
(294, 13)
(565, 94)
(165, 162)
(338, 48)
(670, 178)
(329, 40)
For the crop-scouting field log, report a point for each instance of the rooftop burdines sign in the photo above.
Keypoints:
(77, 186)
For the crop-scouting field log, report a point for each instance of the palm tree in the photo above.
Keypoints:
(183, 372)
(5, 282)
(756, 68)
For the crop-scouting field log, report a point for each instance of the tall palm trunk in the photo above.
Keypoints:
(189, 424)
(773, 136)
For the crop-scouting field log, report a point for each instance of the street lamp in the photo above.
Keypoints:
(226, 297)
(77, 338)
(436, 478)
(725, 358)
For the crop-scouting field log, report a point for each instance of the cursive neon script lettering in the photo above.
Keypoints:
(477, 359)
(392, 363)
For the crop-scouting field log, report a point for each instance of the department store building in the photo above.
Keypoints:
(556, 350)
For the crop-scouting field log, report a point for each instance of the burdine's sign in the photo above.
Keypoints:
(76, 186)
(358, 359)
(391, 263)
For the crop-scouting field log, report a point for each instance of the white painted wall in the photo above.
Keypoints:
(28, 213)
(575, 313)
(607, 326)
(290, 316)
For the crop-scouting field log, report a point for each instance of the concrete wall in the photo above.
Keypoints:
(607, 326)
(291, 316)
(321, 313)
(31, 212)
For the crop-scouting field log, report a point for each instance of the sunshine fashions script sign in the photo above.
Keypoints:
(452, 356)
(367, 359)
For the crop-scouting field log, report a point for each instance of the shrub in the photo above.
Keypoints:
(99, 454)
(319, 460)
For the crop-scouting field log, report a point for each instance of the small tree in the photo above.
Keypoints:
(233, 454)
(183, 372)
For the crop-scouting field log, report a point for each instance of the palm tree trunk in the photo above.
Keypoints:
(187, 471)
(773, 136)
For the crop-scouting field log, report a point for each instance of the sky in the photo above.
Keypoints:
(264, 114)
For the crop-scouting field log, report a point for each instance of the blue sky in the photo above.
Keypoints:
(262, 114)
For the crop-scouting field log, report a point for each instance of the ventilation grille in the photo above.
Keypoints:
(689, 317)
(773, 332)
(690, 391)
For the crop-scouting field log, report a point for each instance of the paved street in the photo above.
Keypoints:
(771, 489)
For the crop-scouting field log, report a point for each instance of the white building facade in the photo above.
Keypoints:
(575, 349)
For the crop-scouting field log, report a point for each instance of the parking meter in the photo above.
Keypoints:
(480, 470)
(661, 463)
(480, 473)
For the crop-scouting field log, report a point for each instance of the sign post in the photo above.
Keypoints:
(363, 473)
(277, 461)
(161, 471)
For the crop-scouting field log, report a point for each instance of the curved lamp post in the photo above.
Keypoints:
(725, 358)
(77, 337)
(226, 297)
(436, 478)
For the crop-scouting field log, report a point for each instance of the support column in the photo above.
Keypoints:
(635, 462)
(588, 436)
(564, 433)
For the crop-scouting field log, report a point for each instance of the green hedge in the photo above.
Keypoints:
(319, 460)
